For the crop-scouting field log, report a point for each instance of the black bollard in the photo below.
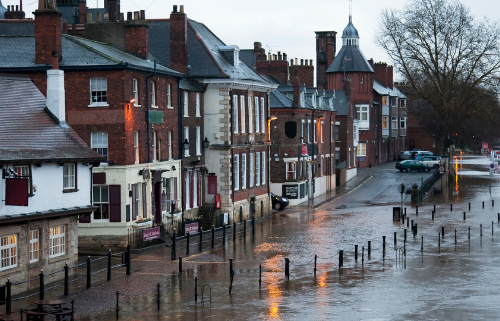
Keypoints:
(405, 236)
(469, 232)
(129, 260)
(287, 268)
(383, 247)
(188, 237)
(173, 250)
(224, 233)
(315, 261)
(407, 222)
(213, 236)
(195, 289)
(439, 240)
(412, 225)
(455, 235)
(230, 267)
(234, 232)
(405, 211)
(395, 238)
(492, 203)
(66, 280)
(253, 225)
(434, 207)
(180, 264)
(416, 210)
(422, 245)
(481, 230)
(341, 258)
(483, 204)
(109, 265)
(442, 231)
(356, 252)
(369, 248)
(433, 215)
(158, 300)
(498, 215)
(89, 274)
(469, 206)
(260, 275)
(117, 306)
(362, 255)
(451, 207)
(244, 228)
(8, 299)
(491, 227)
(72, 310)
(200, 245)
(464, 216)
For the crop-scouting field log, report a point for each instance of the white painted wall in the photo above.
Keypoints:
(351, 173)
(48, 180)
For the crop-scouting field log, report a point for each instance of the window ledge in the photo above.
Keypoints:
(70, 190)
(170, 107)
(137, 106)
(58, 258)
(13, 269)
(152, 106)
(35, 264)
(98, 105)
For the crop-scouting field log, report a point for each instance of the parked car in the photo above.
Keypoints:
(279, 202)
(415, 154)
(404, 155)
(432, 161)
(412, 165)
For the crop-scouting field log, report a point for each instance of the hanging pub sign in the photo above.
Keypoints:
(304, 150)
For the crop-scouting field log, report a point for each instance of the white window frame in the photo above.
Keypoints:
(136, 147)
(290, 167)
(198, 114)
(24, 172)
(153, 95)
(385, 101)
(195, 188)
(308, 130)
(198, 140)
(250, 115)
(394, 101)
(363, 112)
(34, 254)
(236, 172)
(99, 143)
(394, 122)
(99, 86)
(243, 171)
(315, 126)
(257, 169)
(243, 112)
(69, 176)
(332, 128)
(251, 170)
(321, 131)
(263, 170)
(97, 200)
(169, 97)
(8, 252)
(385, 121)
(235, 114)
(153, 145)
(402, 122)
(257, 115)
(186, 136)
(135, 90)
(361, 150)
(262, 115)
(57, 241)
(169, 144)
(185, 103)
(188, 189)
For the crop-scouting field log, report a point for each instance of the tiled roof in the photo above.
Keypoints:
(19, 52)
(17, 27)
(191, 85)
(248, 56)
(341, 103)
(278, 100)
(28, 132)
(381, 90)
(204, 58)
(350, 59)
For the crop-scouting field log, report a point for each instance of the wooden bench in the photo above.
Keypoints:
(64, 315)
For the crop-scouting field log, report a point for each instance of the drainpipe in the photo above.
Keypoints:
(179, 116)
(147, 110)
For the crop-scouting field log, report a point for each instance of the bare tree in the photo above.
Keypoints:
(447, 57)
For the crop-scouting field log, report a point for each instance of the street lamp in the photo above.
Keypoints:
(206, 143)
(269, 127)
(185, 145)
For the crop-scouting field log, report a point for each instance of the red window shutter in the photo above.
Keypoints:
(115, 213)
(134, 203)
(99, 178)
(16, 191)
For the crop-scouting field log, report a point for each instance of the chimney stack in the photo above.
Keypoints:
(55, 90)
(296, 89)
(178, 40)
(136, 36)
(47, 32)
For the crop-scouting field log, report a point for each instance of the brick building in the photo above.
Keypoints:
(45, 184)
(122, 105)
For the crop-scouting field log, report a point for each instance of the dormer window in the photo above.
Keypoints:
(232, 54)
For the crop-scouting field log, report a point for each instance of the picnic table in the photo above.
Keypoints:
(48, 307)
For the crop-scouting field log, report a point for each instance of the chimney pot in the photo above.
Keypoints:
(269, 56)
(8, 8)
(306, 62)
(274, 56)
(285, 57)
(122, 16)
(291, 62)
(136, 15)
(310, 62)
(182, 8)
(143, 14)
(17, 7)
(301, 62)
(129, 15)
(296, 61)
(174, 10)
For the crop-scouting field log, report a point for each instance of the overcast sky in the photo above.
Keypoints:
(282, 25)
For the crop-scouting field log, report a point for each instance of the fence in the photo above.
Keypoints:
(103, 264)
(148, 236)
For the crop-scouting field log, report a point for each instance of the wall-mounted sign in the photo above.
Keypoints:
(191, 228)
(156, 117)
(151, 233)
(290, 191)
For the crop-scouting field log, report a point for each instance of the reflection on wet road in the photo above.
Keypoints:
(441, 277)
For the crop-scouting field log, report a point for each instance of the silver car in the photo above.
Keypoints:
(404, 155)
(431, 161)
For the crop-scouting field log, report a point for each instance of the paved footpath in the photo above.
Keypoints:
(148, 269)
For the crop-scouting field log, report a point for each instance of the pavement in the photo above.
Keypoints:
(149, 269)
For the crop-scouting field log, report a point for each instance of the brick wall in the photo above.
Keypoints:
(47, 35)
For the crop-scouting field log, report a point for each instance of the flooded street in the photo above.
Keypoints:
(439, 278)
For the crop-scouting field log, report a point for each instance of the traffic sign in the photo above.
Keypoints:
(401, 188)
(441, 169)
(492, 165)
